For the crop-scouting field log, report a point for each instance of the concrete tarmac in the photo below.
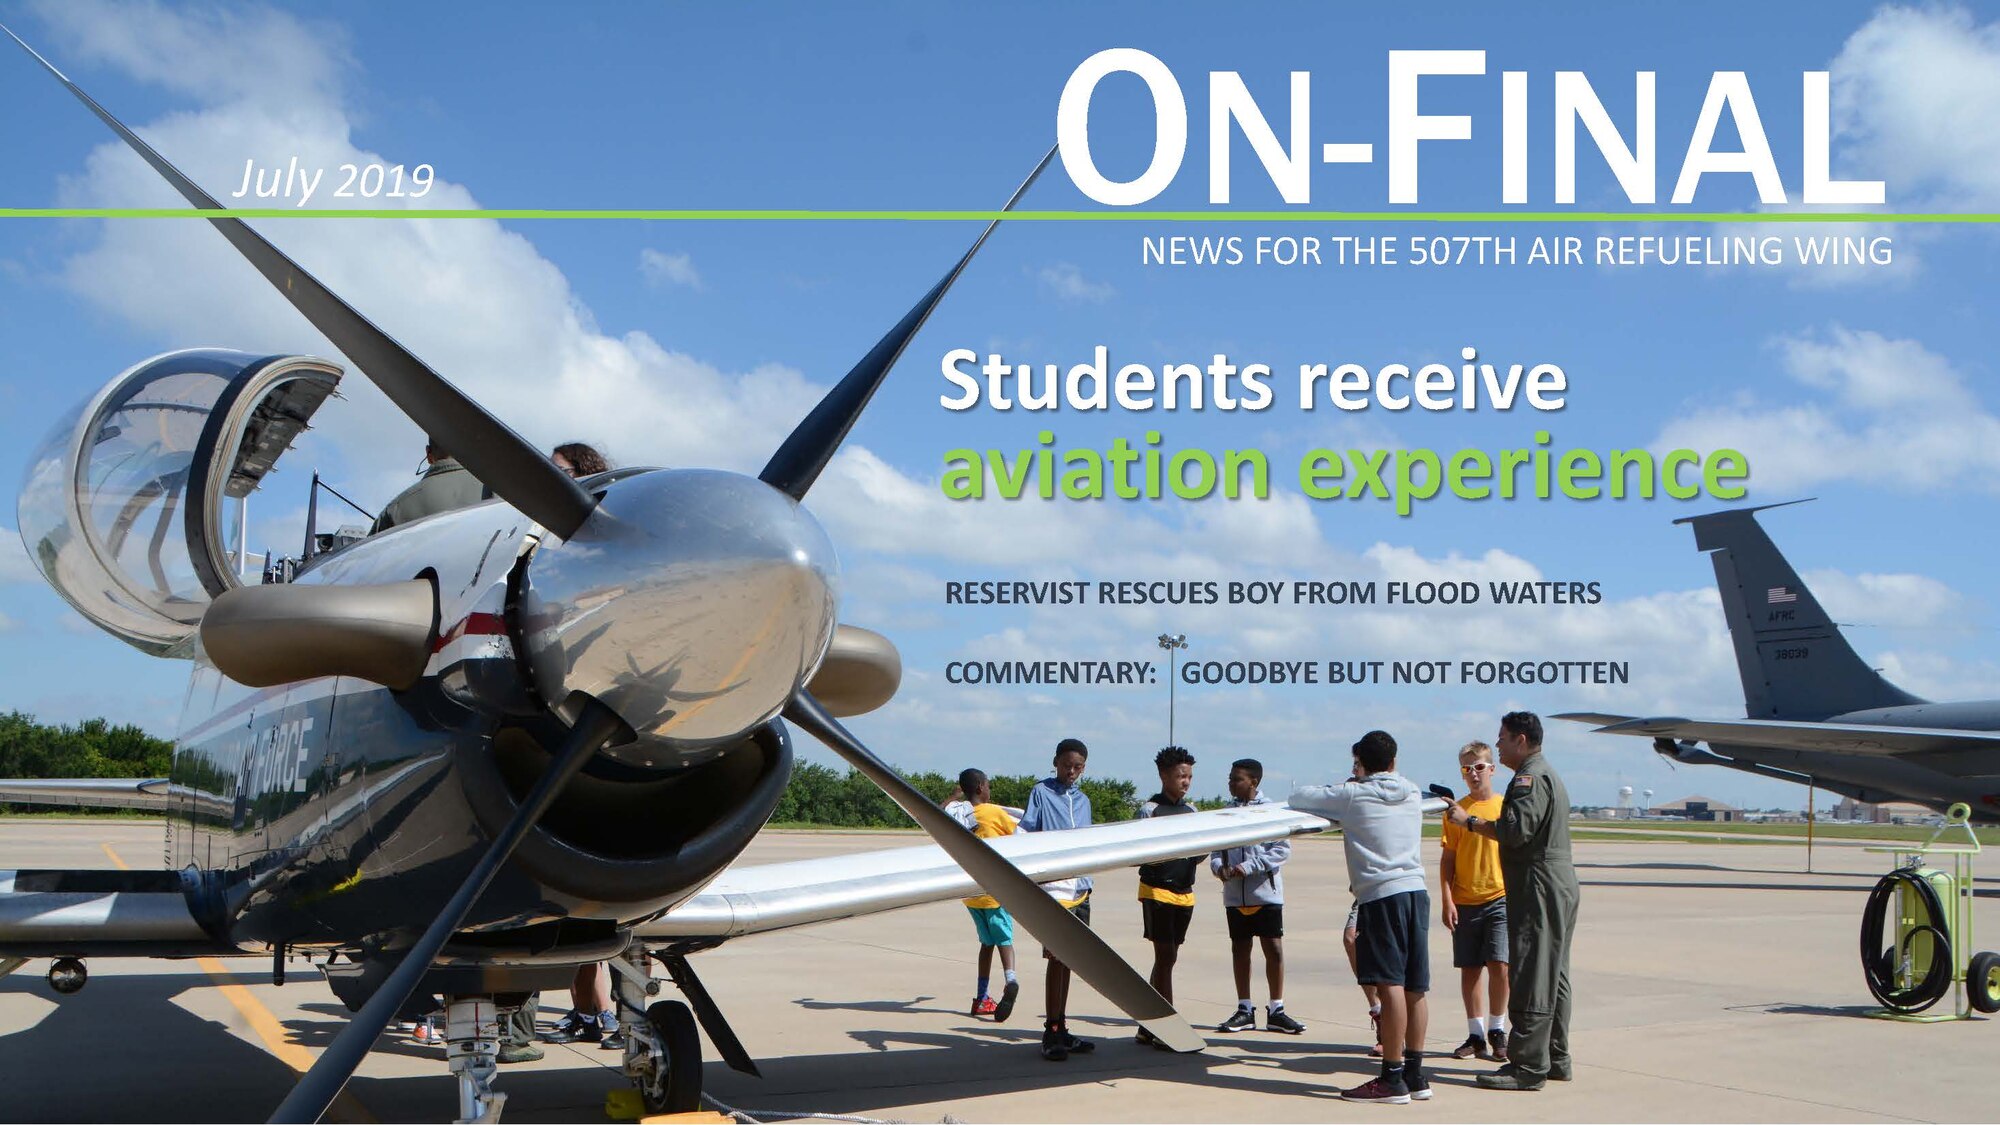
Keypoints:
(1713, 983)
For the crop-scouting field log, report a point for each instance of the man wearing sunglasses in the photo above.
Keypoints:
(1475, 910)
(1533, 832)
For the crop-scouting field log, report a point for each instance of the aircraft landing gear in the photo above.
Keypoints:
(472, 1046)
(662, 1045)
(674, 1087)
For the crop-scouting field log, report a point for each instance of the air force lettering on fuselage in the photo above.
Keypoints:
(273, 760)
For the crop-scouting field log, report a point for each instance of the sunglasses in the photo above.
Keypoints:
(1476, 767)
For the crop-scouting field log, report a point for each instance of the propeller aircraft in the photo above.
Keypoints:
(475, 751)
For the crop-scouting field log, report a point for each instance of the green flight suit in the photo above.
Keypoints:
(1542, 893)
(445, 486)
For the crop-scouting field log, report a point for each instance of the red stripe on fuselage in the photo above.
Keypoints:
(474, 625)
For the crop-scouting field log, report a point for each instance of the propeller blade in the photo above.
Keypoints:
(596, 726)
(1071, 941)
(502, 460)
(798, 462)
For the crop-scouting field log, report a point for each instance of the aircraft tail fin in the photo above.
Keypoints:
(1793, 661)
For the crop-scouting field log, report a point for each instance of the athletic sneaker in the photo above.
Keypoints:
(1474, 1046)
(1077, 1046)
(1277, 1019)
(565, 1030)
(614, 1040)
(428, 1034)
(1243, 1020)
(1419, 1084)
(984, 1006)
(1148, 1039)
(1388, 1090)
(576, 1029)
(1497, 1038)
(1005, 1007)
(1054, 1049)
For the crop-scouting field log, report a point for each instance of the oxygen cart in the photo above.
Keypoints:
(1929, 951)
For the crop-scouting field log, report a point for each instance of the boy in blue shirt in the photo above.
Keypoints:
(1055, 804)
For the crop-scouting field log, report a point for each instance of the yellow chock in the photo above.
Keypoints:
(624, 1105)
(698, 1117)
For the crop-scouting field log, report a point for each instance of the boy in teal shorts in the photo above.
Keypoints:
(990, 920)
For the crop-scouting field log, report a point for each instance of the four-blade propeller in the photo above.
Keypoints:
(521, 475)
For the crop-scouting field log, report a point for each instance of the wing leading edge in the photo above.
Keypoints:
(144, 793)
(776, 896)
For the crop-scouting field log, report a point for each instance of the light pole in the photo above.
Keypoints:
(1172, 642)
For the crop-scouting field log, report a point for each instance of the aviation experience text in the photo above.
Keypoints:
(1128, 471)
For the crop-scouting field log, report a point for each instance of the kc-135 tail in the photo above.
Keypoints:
(1815, 711)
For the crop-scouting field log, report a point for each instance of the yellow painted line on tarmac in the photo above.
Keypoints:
(263, 1022)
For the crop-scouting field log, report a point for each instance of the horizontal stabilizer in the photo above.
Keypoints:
(1837, 738)
(1594, 718)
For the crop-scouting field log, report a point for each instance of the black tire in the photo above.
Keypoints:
(1982, 982)
(681, 1040)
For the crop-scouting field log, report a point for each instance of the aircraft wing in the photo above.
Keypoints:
(776, 896)
(147, 793)
(1833, 738)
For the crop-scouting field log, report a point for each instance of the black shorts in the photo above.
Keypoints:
(1165, 921)
(1268, 921)
(1394, 944)
(1081, 912)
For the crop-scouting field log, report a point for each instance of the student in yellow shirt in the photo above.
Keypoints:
(1475, 911)
(989, 919)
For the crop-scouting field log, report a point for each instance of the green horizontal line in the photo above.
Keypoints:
(796, 215)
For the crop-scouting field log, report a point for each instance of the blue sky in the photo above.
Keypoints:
(701, 343)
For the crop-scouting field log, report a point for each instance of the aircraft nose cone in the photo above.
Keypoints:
(692, 603)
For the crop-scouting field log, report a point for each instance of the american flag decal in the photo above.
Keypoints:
(1779, 595)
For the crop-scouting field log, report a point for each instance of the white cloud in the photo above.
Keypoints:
(211, 53)
(476, 301)
(659, 268)
(1873, 409)
(1915, 93)
(1066, 281)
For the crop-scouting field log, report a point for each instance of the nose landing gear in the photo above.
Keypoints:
(662, 1045)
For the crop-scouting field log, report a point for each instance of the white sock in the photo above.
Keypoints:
(1277, 1005)
(1476, 1025)
(1497, 1023)
(1374, 1009)
(1011, 979)
(1244, 1005)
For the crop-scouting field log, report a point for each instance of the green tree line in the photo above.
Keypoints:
(92, 748)
(821, 794)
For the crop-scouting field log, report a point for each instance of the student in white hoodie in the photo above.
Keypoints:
(1253, 900)
(1382, 824)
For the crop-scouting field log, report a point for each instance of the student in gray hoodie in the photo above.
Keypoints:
(1382, 824)
(1253, 899)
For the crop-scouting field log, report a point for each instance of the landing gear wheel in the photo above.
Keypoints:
(1982, 981)
(678, 1089)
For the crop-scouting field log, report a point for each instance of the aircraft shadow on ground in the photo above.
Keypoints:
(1850, 1011)
(984, 1059)
(1846, 888)
(56, 1069)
